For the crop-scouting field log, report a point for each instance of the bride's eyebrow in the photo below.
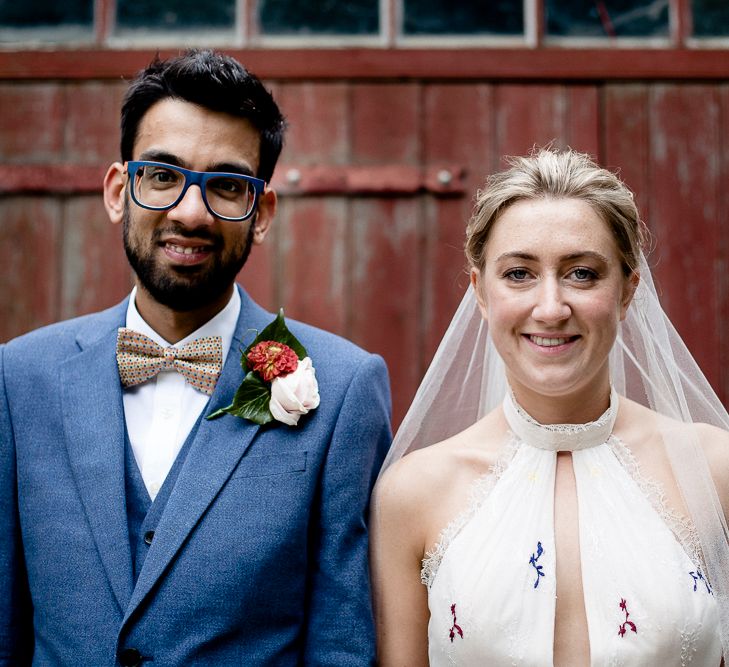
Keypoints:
(588, 254)
(529, 257)
(517, 254)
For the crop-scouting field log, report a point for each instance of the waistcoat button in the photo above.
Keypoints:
(130, 657)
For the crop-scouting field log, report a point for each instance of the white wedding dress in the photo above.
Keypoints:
(491, 578)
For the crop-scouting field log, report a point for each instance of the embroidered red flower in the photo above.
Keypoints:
(270, 359)
(455, 627)
(626, 623)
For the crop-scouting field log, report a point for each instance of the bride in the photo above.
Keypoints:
(565, 501)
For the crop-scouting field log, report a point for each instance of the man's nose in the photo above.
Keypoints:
(191, 211)
(551, 305)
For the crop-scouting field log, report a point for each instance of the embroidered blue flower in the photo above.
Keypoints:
(533, 562)
(697, 576)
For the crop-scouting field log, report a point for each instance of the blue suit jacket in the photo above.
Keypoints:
(260, 557)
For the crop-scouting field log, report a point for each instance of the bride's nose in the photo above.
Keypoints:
(551, 304)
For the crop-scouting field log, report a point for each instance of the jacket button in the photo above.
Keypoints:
(130, 657)
(148, 537)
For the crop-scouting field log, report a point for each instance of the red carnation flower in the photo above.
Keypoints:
(270, 359)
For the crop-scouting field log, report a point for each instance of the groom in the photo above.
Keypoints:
(133, 529)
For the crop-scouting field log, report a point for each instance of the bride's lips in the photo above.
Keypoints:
(551, 343)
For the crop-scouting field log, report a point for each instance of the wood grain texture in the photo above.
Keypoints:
(30, 230)
(368, 244)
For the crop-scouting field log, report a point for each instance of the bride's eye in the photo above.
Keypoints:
(517, 275)
(583, 275)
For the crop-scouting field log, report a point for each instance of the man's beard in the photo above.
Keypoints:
(185, 288)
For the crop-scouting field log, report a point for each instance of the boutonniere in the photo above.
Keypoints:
(279, 381)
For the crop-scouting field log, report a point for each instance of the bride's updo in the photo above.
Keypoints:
(558, 174)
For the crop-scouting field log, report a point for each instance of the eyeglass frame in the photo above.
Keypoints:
(199, 178)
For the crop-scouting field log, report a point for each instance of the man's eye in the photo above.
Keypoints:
(163, 176)
(230, 185)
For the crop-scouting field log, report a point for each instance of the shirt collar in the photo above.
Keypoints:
(223, 324)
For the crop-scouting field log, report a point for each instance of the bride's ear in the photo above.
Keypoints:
(477, 284)
(631, 284)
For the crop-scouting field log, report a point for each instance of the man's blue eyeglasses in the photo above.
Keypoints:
(158, 186)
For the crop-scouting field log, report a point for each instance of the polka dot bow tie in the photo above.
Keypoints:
(139, 359)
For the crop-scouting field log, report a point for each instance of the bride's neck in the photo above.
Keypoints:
(579, 407)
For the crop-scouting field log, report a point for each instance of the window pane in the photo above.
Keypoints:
(180, 14)
(607, 18)
(46, 13)
(327, 17)
(445, 17)
(711, 18)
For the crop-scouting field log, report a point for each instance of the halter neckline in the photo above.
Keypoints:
(560, 437)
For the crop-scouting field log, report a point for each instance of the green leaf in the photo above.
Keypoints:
(279, 332)
(250, 401)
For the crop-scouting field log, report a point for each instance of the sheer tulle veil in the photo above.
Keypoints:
(649, 364)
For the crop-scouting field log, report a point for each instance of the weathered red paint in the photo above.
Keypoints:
(367, 63)
(368, 241)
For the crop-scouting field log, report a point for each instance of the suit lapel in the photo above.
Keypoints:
(94, 422)
(217, 448)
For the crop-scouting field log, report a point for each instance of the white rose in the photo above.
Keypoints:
(294, 394)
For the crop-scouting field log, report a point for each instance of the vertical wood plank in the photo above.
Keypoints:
(539, 114)
(528, 116)
(722, 268)
(258, 276)
(31, 122)
(459, 130)
(91, 125)
(385, 290)
(685, 173)
(318, 118)
(385, 281)
(313, 231)
(581, 123)
(626, 139)
(385, 123)
(29, 236)
(95, 273)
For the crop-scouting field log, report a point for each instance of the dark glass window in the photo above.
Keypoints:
(175, 15)
(326, 17)
(444, 17)
(607, 18)
(46, 13)
(711, 18)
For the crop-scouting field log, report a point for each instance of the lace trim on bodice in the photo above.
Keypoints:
(479, 493)
(680, 525)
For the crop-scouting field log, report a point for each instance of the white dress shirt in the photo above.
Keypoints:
(161, 412)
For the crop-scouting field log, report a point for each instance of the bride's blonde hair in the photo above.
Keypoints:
(554, 173)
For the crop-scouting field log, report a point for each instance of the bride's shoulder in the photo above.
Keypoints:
(644, 423)
(643, 427)
(436, 470)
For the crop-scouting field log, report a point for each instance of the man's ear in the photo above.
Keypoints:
(631, 284)
(114, 182)
(264, 215)
(476, 283)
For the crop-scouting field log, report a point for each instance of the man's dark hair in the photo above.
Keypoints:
(210, 80)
